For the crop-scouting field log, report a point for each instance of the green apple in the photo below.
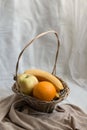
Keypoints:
(27, 83)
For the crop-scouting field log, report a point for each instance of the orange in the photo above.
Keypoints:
(44, 90)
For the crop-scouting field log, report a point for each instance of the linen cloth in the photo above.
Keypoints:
(15, 114)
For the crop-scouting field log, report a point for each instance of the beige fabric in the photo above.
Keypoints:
(15, 114)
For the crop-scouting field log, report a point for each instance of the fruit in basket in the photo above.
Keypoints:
(44, 91)
(46, 76)
(26, 83)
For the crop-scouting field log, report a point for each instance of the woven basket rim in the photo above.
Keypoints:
(65, 94)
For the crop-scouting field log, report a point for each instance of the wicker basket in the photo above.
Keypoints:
(42, 106)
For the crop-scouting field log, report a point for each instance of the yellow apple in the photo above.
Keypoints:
(26, 83)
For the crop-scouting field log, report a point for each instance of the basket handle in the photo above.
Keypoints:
(38, 36)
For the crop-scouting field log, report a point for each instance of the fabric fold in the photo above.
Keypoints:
(15, 114)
